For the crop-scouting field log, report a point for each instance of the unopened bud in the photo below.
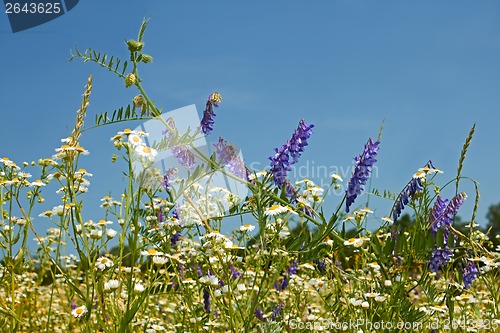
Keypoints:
(134, 46)
(138, 101)
(146, 58)
(215, 98)
(130, 80)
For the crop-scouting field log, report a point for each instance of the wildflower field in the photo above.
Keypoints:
(161, 260)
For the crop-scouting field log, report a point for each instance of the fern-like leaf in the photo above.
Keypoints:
(119, 115)
(94, 56)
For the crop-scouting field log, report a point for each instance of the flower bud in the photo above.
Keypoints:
(134, 46)
(215, 98)
(138, 101)
(130, 80)
(146, 58)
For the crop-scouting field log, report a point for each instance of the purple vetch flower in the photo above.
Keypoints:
(184, 156)
(206, 301)
(442, 213)
(411, 189)
(280, 162)
(234, 272)
(361, 173)
(407, 194)
(277, 311)
(181, 269)
(175, 213)
(439, 258)
(278, 285)
(227, 157)
(469, 274)
(160, 216)
(259, 314)
(167, 178)
(175, 238)
(293, 268)
(453, 207)
(170, 129)
(285, 282)
(208, 115)
(441, 217)
(321, 265)
(435, 220)
(280, 165)
(199, 271)
(281, 284)
(299, 140)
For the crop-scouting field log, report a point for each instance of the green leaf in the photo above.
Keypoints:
(377, 248)
(93, 56)
(440, 238)
(118, 116)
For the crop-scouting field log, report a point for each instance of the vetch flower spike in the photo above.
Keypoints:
(361, 173)
(227, 157)
(280, 162)
(470, 273)
(208, 115)
(411, 189)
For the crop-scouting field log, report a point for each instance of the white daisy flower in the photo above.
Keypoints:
(139, 288)
(155, 328)
(111, 285)
(247, 227)
(210, 279)
(146, 152)
(82, 172)
(366, 210)
(126, 131)
(388, 220)
(111, 233)
(151, 252)
(96, 234)
(317, 191)
(355, 302)
(356, 242)
(102, 263)
(135, 140)
(336, 177)
(19, 221)
(159, 260)
(79, 311)
(275, 210)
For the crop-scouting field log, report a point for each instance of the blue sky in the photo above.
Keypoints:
(430, 69)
